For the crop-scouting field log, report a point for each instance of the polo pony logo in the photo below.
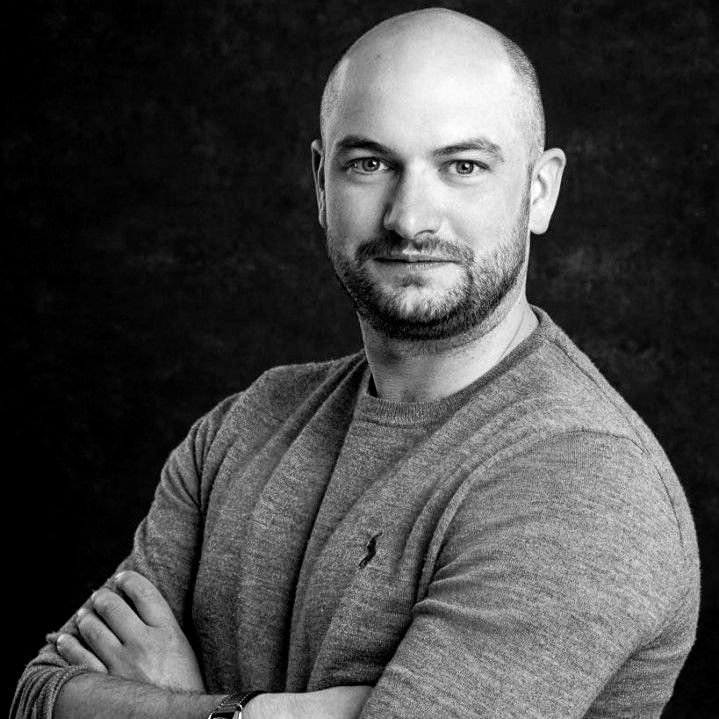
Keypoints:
(371, 550)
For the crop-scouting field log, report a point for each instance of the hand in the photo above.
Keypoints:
(143, 644)
(343, 702)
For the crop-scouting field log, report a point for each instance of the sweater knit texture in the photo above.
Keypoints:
(521, 548)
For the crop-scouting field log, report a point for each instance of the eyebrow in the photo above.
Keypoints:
(357, 142)
(476, 144)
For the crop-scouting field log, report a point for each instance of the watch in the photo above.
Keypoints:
(232, 705)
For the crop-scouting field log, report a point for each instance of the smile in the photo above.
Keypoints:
(413, 259)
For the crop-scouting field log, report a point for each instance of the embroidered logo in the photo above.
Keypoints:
(371, 550)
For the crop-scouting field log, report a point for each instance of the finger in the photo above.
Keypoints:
(116, 613)
(100, 640)
(74, 653)
(149, 603)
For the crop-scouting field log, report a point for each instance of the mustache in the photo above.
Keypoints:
(427, 244)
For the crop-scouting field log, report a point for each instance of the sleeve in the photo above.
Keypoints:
(165, 550)
(554, 568)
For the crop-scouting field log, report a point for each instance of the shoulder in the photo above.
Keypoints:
(578, 473)
(557, 392)
(589, 509)
(585, 410)
(281, 389)
(587, 471)
(274, 396)
(566, 381)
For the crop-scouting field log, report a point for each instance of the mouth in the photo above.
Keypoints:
(414, 259)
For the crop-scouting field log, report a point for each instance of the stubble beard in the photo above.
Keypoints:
(468, 304)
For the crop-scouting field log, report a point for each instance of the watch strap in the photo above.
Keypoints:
(232, 705)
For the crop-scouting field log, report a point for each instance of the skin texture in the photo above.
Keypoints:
(408, 94)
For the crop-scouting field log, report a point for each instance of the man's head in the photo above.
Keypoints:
(433, 150)
(529, 109)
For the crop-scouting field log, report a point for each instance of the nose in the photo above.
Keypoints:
(412, 208)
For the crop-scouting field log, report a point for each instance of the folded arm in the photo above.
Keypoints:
(143, 666)
(91, 673)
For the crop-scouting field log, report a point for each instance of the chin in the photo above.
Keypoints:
(425, 314)
(419, 319)
(414, 306)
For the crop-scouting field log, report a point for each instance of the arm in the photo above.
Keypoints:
(553, 570)
(88, 696)
(164, 550)
(152, 669)
(91, 695)
(131, 634)
(66, 679)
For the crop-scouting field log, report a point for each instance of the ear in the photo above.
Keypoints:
(318, 174)
(546, 179)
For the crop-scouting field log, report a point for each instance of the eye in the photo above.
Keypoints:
(466, 167)
(367, 165)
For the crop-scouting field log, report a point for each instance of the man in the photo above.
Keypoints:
(462, 520)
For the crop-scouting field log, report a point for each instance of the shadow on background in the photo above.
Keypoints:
(162, 249)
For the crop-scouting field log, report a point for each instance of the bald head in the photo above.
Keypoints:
(397, 49)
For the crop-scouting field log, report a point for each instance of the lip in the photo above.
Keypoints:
(412, 259)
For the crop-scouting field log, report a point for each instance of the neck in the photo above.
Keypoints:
(418, 371)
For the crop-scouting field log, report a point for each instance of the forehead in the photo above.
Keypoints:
(421, 101)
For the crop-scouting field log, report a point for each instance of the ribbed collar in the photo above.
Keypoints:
(384, 411)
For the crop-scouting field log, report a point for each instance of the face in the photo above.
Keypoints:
(425, 198)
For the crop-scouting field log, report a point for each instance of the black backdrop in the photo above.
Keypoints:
(161, 247)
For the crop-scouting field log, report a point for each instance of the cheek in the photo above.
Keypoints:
(354, 210)
(484, 216)
(478, 221)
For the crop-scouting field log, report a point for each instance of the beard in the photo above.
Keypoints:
(465, 305)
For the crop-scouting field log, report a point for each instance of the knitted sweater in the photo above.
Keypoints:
(521, 548)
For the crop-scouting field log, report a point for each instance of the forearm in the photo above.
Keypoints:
(92, 695)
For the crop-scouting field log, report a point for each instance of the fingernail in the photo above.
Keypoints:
(118, 577)
(81, 612)
(60, 638)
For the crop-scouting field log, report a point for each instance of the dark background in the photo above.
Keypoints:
(161, 248)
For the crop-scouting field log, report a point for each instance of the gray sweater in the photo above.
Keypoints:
(521, 548)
